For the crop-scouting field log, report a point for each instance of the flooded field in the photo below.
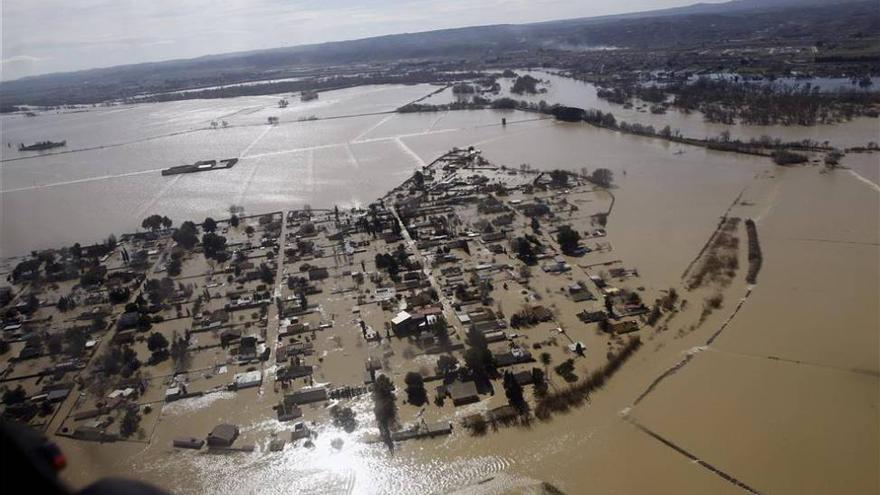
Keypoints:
(566, 91)
(113, 156)
(784, 399)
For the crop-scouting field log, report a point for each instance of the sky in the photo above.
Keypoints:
(44, 36)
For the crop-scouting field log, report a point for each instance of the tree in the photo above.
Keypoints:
(54, 343)
(602, 177)
(478, 358)
(130, 422)
(539, 381)
(130, 361)
(234, 220)
(64, 304)
(75, 340)
(266, 274)
(415, 389)
(152, 222)
(209, 225)
(157, 343)
(93, 276)
(179, 350)
(343, 417)
(446, 364)
(186, 235)
(440, 329)
(119, 295)
(174, 267)
(546, 359)
(568, 238)
(16, 395)
(249, 230)
(385, 407)
(119, 361)
(785, 157)
(419, 179)
(566, 370)
(166, 222)
(558, 178)
(514, 392)
(524, 251)
(213, 244)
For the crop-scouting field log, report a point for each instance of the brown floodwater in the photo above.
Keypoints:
(785, 400)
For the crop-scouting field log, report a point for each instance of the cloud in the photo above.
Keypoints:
(60, 35)
(18, 59)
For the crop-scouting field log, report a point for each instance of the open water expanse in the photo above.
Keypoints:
(786, 399)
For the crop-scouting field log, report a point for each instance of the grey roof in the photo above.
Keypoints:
(462, 390)
(223, 433)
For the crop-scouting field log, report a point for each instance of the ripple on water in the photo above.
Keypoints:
(187, 406)
(354, 468)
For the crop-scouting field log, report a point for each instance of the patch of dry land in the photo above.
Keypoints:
(483, 328)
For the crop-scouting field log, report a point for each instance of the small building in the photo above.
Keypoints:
(93, 434)
(579, 292)
(300, 430)
(288, 412)
(524, 378)
(173, 393)
(592, 316)
(306, 395)
(248, 379)
(402, 323)
(495, 336)
(128, 320)
(622, 327)
(247, 348)
(5, 295)
(30, 352)
(292, 372)
(229, 335)
(57, 395)
(463, 393)
(514, 356)
(188, 443)
(493, 237)
(556, 266)
(318, 273)
(223, 435)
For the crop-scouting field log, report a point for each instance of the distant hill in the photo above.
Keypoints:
(693, 26)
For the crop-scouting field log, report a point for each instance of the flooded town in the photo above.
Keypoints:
(511, 279)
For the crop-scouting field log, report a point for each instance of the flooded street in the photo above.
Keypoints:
(785, 399)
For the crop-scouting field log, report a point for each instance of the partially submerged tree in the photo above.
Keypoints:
(152, 222)
(158, 345)
(385, 408)
(209, 225)
(415, 389)
(130, 422)
(568, 238)
(602, 177)
(514, 392)
(186, 235)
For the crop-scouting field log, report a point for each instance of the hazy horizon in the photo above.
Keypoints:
(55, 36)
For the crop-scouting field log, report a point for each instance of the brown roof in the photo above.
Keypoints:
(463, 392)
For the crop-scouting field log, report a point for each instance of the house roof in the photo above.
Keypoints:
(400, 318)
(462, 390)
(225, 432)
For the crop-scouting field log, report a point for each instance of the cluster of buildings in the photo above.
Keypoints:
(312, 306)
